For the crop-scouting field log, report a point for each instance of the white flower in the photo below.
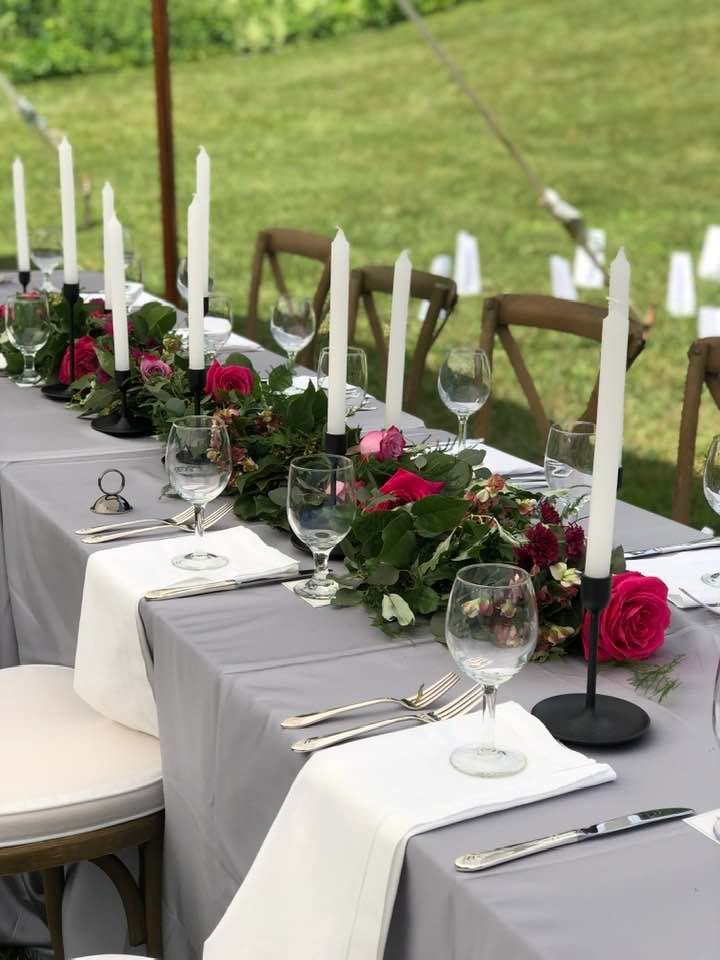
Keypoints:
(565, 576)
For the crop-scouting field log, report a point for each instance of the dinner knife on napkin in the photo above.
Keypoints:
(675, 548)
(474, 862)
(219, 586)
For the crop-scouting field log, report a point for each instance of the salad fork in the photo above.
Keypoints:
(210, 520)
(181, 517)
(418, 701)
(456, 708)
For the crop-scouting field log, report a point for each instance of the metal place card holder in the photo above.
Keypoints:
(111, 502)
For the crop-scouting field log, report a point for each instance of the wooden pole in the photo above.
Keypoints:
(166, 157)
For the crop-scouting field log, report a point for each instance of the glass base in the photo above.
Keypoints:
(479, 762)
(200, 561)
(314, 589)
(711, 579)
(21, 380)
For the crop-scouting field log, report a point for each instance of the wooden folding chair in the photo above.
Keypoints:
(298, 243)
(441, 296)
(703, 368)
(545, 313)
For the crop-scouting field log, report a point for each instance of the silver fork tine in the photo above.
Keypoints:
(218, 514)
(466, 706)
(436, 689)
(459, 702)
(107, 527)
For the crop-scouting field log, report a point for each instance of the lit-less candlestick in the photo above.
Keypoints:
(117, 287)
(396, 347)
(196, 345)
(21, 231)
(339, 301)
(108, 212)
(609, 429)
(202, 191)
(67, 207)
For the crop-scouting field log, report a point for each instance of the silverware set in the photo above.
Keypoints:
(706, 544)
(180, 523)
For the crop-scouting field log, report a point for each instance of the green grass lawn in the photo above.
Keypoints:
(614, 104)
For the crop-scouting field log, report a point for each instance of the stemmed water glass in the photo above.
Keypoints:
(198, 462)
(711, 488)
(569, 455)
(217, 325)
(464, 385)
(27, 322)
(181, 278)
(46, 252)
(356, 377)
(292, 325)
(491, 630)
(321, 509)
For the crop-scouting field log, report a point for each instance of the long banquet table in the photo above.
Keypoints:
(227, 668)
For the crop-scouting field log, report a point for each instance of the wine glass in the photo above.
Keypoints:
(217, 325)
(198, 463)
(181, 278)
(356, 378)
(133, 270)
(320, 508)
(292, 325)
(46, 252)
(464, 385)
(711, 488)
(569, 455)
(27, 322)
(491, 630)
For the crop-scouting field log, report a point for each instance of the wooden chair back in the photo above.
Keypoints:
(703, 368)
(501, 313)
(441, 296)
(298, 243)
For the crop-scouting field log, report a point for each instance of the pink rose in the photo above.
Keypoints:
(86, 360)
(152, 366)
(633, 625)
(370, 444)
(382, 444)
(221, 380)
(406, 487)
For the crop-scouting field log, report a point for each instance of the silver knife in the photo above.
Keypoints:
(219, 586)
(675, 548)
(474, 862)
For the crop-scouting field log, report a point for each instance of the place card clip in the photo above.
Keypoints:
(111, 501)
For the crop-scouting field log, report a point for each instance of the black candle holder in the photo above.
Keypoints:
(206, 305)
(336, 443)
(59, 391)
(592, 719)
(196, 383)
(24, 279)
(122, 424)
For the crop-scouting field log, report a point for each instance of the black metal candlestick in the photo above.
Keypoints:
(206, 305)
(592, 719)
(59, 391)
(196, 383)
(24, 279)
(122, 424)
(336, 443)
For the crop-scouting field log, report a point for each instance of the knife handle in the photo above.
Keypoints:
(474, 862)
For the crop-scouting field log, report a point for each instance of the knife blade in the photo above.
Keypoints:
(220, 586)
(475, 862)
(675, 548)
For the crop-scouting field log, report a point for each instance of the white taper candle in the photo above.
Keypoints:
(108, 212)
(196, 323)
(339, 303)
(202, 191)
(609, 429)
(67, 208)
(21, 230)
(396, 347)
(117, 288)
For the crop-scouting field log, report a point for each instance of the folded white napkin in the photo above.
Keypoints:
(705, 823)
(585, 273)
(681, 300)
(709, 264)
(709, 322)
(683, 570)
(561, 279)
(110, 669)
(323, 885)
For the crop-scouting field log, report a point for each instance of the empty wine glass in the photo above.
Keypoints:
(181, 278)
(292, 325)
(711, 488)
(320, 508)
(491, 630)
(356, 379)
(198, 463)
(569, 455)
(27, 322)
(46, 252)
(217, 325)
(464, 385)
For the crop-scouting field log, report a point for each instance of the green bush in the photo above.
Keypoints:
(47, 37)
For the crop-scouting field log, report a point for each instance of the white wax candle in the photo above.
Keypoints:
(396, 347)
(21, 231)
(609, 429)
(108, 212)
(339, 300)
(67, 207)
(202, 191)
(196, 345)
(117, 288)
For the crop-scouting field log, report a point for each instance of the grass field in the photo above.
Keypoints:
(614, 104)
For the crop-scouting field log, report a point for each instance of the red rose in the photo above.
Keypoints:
(221, 380)
(633, 624)
(86, 360)
(406, 487)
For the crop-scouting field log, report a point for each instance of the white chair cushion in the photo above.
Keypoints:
(65, 768)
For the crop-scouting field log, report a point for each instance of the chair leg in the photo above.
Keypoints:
(151, 859)
(54, 886)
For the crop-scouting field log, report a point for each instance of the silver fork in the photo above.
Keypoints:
(418, 701)
(456, 708)
(181, 517)
(708, 606)
(210, 521)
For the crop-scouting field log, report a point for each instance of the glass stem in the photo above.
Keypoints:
(462, 432)
(199, 530)
(321, 565)
(28, 366)
(487, 716)
(291, 360)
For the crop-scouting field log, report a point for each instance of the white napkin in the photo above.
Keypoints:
(705, 823)
(709, 322)
(323, 885)
(709, 265)
(683, 570)
(110, 670)
(441, 266)
(585, 273)
(561, 279)
(237, 342)
(466, 273)
(681, 300)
